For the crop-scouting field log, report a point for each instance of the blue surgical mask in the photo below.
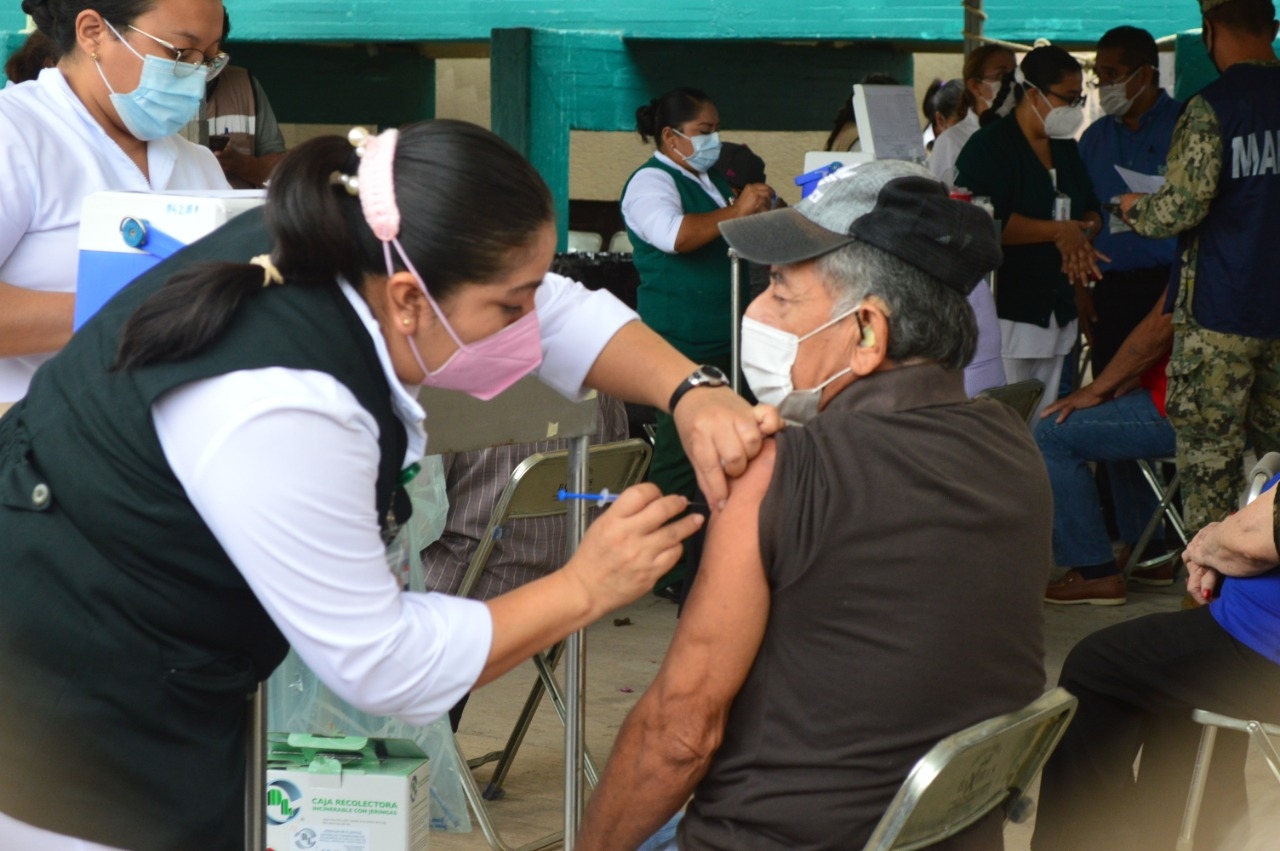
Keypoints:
(706, 151)
(163, 103)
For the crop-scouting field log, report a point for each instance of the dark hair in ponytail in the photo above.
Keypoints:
(674, 108)
(57, 18)
(470, 204)
(1009, 88)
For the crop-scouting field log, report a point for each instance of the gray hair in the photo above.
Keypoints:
(927, 319)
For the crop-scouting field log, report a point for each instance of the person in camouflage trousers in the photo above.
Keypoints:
(1222, 200)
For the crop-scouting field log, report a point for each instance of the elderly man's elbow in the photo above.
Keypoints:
(684, 736)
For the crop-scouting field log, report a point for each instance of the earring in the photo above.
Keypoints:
(94, 56)
(406, 321)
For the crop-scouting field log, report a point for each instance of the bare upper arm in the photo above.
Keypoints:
(724, 619)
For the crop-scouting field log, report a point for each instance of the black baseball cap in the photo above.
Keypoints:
(897, 206)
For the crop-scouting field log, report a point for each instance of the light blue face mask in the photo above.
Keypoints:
(706, 151)
(163, 102)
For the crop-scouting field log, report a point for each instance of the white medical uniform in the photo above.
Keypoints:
(305, 535)
(52, 154)
(947, 147)
(652, 207)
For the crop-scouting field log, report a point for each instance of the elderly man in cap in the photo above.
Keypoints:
(873, 582)
(1222, 200)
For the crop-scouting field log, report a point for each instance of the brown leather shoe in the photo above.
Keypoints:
(1160, 574)
(1073, 589)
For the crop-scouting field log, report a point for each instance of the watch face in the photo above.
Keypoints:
(712, 375)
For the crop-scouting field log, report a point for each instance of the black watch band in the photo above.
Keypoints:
(704, 376)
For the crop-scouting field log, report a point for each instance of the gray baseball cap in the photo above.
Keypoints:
(899, 207)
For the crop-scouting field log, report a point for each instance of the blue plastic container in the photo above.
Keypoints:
(809, 180)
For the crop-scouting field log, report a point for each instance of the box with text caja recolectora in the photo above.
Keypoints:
(346, 794)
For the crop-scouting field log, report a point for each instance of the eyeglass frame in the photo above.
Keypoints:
(214, 65)
(1070, 102)
(1095, 82)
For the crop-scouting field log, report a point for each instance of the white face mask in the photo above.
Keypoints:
(990, 90)
(1062, 122)
(768, 354)
(1112, 97)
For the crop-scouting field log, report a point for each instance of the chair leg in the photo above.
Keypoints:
(1263, 743)
(494, 789)
(1167, 493)
(481, 812)
(1195, 795)
(546, 683)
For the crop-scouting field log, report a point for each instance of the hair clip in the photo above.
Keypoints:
(349, 182)
(357, 136)
(270, 274)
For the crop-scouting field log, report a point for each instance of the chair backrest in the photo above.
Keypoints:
(620, 243)
(1022, 396)
(970, 773)
(583, 240)
(532, 489)
(1262, 476)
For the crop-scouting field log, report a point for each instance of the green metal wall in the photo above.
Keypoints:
(1080, 22)
(547, 83)
(901, 20)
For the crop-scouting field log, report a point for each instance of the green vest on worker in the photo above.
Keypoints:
(686, 297)
(128, 639)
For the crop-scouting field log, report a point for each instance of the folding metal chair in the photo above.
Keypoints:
(1267, 468)
(531, 492)
(1259, 734)
(1165, 491)
(970, 773)
(1022, 396)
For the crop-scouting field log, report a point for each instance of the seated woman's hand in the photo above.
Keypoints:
(630, 545)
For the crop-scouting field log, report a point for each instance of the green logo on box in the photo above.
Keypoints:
(284, 802)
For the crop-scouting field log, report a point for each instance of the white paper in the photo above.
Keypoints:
(888, 122)
(1139, 182)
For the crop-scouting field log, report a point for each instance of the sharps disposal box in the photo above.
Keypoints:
(346, 794)
(123, 234)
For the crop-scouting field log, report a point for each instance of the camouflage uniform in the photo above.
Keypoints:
(1220, 385)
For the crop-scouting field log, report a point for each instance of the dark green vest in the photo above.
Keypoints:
(128, 640)
(686, 297)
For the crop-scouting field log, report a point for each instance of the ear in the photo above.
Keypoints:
(871, 351)
(406, 301)
(91, 31)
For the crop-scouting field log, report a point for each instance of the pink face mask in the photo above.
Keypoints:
(483, 368)
(488, 366)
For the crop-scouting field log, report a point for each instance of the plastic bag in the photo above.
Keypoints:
(297, 702)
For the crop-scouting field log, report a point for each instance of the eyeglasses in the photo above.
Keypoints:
(1111, 78)
(1073, 102)
(188, 59)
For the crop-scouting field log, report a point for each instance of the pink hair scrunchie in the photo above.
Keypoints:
(377, 184)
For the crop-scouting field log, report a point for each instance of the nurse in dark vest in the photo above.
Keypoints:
(672, 206)
(209, 473)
